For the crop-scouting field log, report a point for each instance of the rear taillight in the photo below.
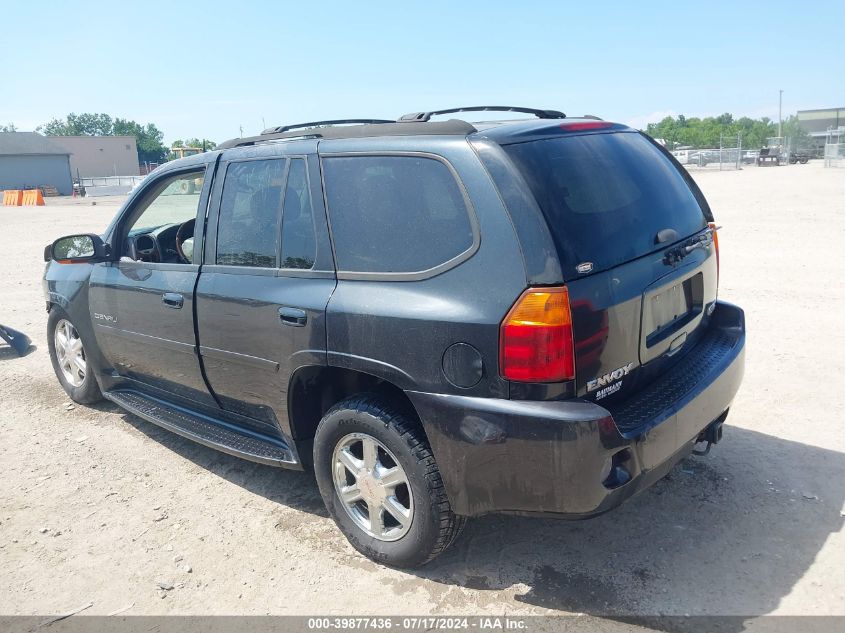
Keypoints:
(535, 338)
(713, 228)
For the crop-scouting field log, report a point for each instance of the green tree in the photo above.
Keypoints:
(8, 128)
(85, 124)
(195, 142)
(147, 137)
(795, 135)
(709, 131)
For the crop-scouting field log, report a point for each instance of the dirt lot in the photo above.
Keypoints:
(99, 506)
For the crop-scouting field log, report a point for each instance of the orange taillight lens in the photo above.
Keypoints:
(712, 226)
(535, 338)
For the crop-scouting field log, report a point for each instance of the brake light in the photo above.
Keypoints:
(713, 227)
(585, 125)
(535, 338)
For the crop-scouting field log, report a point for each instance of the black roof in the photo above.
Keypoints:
(20, 143)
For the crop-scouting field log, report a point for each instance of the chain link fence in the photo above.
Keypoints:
(834, 155)
(728, 155)
(834, 149)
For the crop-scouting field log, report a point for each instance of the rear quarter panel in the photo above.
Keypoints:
(399, 330)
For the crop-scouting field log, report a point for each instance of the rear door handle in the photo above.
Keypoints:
(293, 317)
(172, 300)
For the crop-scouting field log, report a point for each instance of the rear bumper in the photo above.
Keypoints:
(540, 457)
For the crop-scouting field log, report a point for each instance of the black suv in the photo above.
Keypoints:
(442, 319)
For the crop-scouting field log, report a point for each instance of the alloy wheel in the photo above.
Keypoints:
(70, 353)
(372, 487)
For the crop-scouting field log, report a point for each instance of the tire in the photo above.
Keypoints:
(86, 391)
(432, 525)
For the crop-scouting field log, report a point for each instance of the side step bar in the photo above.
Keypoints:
(206, 430)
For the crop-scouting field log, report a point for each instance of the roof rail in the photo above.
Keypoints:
(284, 128)
(419, 117)
(452, 127)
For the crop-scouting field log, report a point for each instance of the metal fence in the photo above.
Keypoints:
(728, 155)
(110, 185)
(834, 148)
(834, 155)
(112, 181)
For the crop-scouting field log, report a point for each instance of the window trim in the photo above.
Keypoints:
(349, 275)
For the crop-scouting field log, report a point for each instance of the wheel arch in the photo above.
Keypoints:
(314, 389)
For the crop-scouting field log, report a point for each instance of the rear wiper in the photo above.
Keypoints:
(704, 240)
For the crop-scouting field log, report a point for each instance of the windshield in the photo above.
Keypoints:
(606, 196)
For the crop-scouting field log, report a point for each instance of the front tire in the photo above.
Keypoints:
(380, 483)
(70, 359)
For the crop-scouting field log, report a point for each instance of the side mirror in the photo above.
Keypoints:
(76, 249)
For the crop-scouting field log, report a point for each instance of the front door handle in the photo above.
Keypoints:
(172, 300)
(293, 317)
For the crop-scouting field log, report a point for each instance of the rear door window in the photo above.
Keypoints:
(250, 212)
(395, 214)
(299, 242)
(606, 196)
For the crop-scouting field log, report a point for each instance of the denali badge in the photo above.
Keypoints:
(609, 377)
(105, 317)
(585, 267)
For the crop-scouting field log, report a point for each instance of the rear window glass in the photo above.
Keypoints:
(394, 214)
(606, 196)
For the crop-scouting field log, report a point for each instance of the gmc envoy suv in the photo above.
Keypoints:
(441, 319)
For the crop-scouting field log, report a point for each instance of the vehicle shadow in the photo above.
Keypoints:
(728, 534)
(7, 352)
(292, 488)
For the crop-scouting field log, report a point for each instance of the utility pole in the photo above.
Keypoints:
(780, 114)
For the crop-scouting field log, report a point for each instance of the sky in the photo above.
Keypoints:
(211, 69)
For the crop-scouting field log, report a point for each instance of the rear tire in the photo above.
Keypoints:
(403, 452)
(68, 355)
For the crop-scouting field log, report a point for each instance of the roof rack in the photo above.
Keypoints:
(284, 128)
(418, 117)
(452, 127)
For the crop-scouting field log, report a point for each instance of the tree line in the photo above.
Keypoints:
(148, 138)
(707, 132)
(677, 132)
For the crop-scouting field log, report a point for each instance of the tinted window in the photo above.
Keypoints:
(394, 213)
(606, 196)
(299, 244)
(250, 209)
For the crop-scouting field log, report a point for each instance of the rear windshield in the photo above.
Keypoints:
(606, 196)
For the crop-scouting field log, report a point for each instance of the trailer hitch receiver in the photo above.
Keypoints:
(712, 435)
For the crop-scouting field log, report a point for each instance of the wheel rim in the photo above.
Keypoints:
(372, 487)
(70, 353)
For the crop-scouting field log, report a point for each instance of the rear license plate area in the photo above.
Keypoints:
(671, 309)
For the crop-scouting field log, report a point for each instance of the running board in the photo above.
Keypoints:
(206, 430)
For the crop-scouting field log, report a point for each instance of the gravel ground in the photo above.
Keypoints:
(99, 506)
